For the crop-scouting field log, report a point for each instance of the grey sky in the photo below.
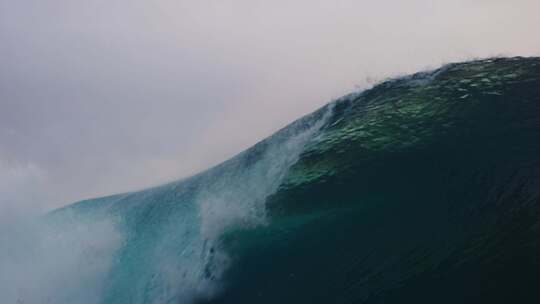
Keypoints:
(104, 96)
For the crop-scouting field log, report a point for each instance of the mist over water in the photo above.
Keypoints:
(63, 262)
(49, 260)
(159, 245)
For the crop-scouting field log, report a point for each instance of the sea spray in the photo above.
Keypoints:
(61, 263)
(172, 250)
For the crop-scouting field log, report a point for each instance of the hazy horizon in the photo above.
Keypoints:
(112, 96)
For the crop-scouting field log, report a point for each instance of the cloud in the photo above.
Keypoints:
(108, 96)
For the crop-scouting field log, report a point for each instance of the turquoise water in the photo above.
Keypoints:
(423, 189)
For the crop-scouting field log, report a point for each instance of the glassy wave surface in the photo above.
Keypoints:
(423, 189)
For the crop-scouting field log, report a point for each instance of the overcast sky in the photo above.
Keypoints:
(104, 96)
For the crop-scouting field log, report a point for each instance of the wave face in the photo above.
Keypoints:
(424, 189)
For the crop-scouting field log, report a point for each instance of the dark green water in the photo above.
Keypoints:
(424, 189)
(421, 190)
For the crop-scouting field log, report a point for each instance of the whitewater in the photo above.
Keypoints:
(159, 245)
